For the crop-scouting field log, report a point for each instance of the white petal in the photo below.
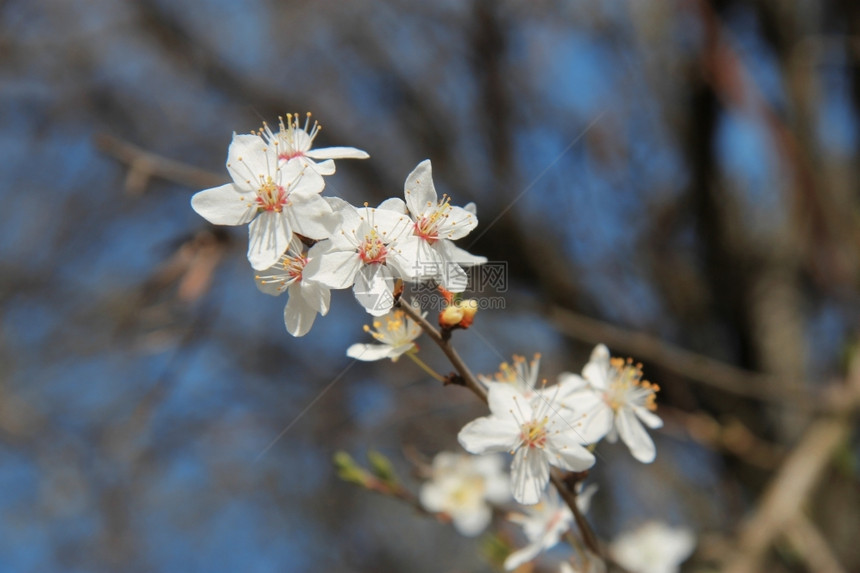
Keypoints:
(301, 180)
(432, 496)
(507, 403)
(416, 259)
(460, 256)
(529, 475)
(597, 369)
(489, 434)
(565, 451)
(310, 215)
(326, 167)
(472, 521)
(634, 435)
(419, 191)
(298, 315)
(369, 352)
(458, 223)
(268, 237)
(453, 277)
(394, 204)
(317, 296)
(521, 556)
(337, 153)
(225, 205)
(374, 289)
(649, 418)
(334, 269)
(250, 161)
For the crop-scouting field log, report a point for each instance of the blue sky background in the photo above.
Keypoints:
(131, 420)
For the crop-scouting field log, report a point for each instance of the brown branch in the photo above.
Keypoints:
(796, 479)
(690, 365)
(445, 345)
(144, 165)
(811, 545)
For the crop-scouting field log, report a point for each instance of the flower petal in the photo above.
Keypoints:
(648, 418)
(489, 434)
(299, 316)
(461, 256)
(565, 451)
(506, 402)
(374, 289)
(369, 352)
(225, 205)
(268, 237)
(597, 369)
(332, 268)
(529, 475)
(634, 435)
(337, 153)
(458, 223)
(316, 295)
(311, 216)
(473, 520)
(419, 190)
(250, 161)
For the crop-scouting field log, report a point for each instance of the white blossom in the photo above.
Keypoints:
(616, 402)
(435, 224)
(307, 298)
(534, 431)
(463, 486)
(277, 199)
(521, 375)
(653, 548)
(545, 523)
(395, 333)
(363, 253)
(293, 142)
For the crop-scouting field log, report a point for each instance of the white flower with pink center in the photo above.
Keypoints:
(294, 141)
(364, 253)
(616, 402)
(277, 199)
(534, 431)
(435, 224)
(307, 298)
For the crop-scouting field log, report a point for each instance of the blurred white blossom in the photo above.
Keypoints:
(615, 400)
(464, 486)
(653, 548)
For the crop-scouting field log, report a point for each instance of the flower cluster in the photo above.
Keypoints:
(305, 244)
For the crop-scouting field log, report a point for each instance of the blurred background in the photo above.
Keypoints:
(677, 179)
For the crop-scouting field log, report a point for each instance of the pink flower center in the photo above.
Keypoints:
(295, 266)
(372, 249)
(271, 197)
(533, 433)
(291, 155)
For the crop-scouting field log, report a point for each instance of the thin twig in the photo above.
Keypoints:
(445, 345)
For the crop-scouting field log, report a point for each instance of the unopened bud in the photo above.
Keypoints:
(469, 308)
(451, 316)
